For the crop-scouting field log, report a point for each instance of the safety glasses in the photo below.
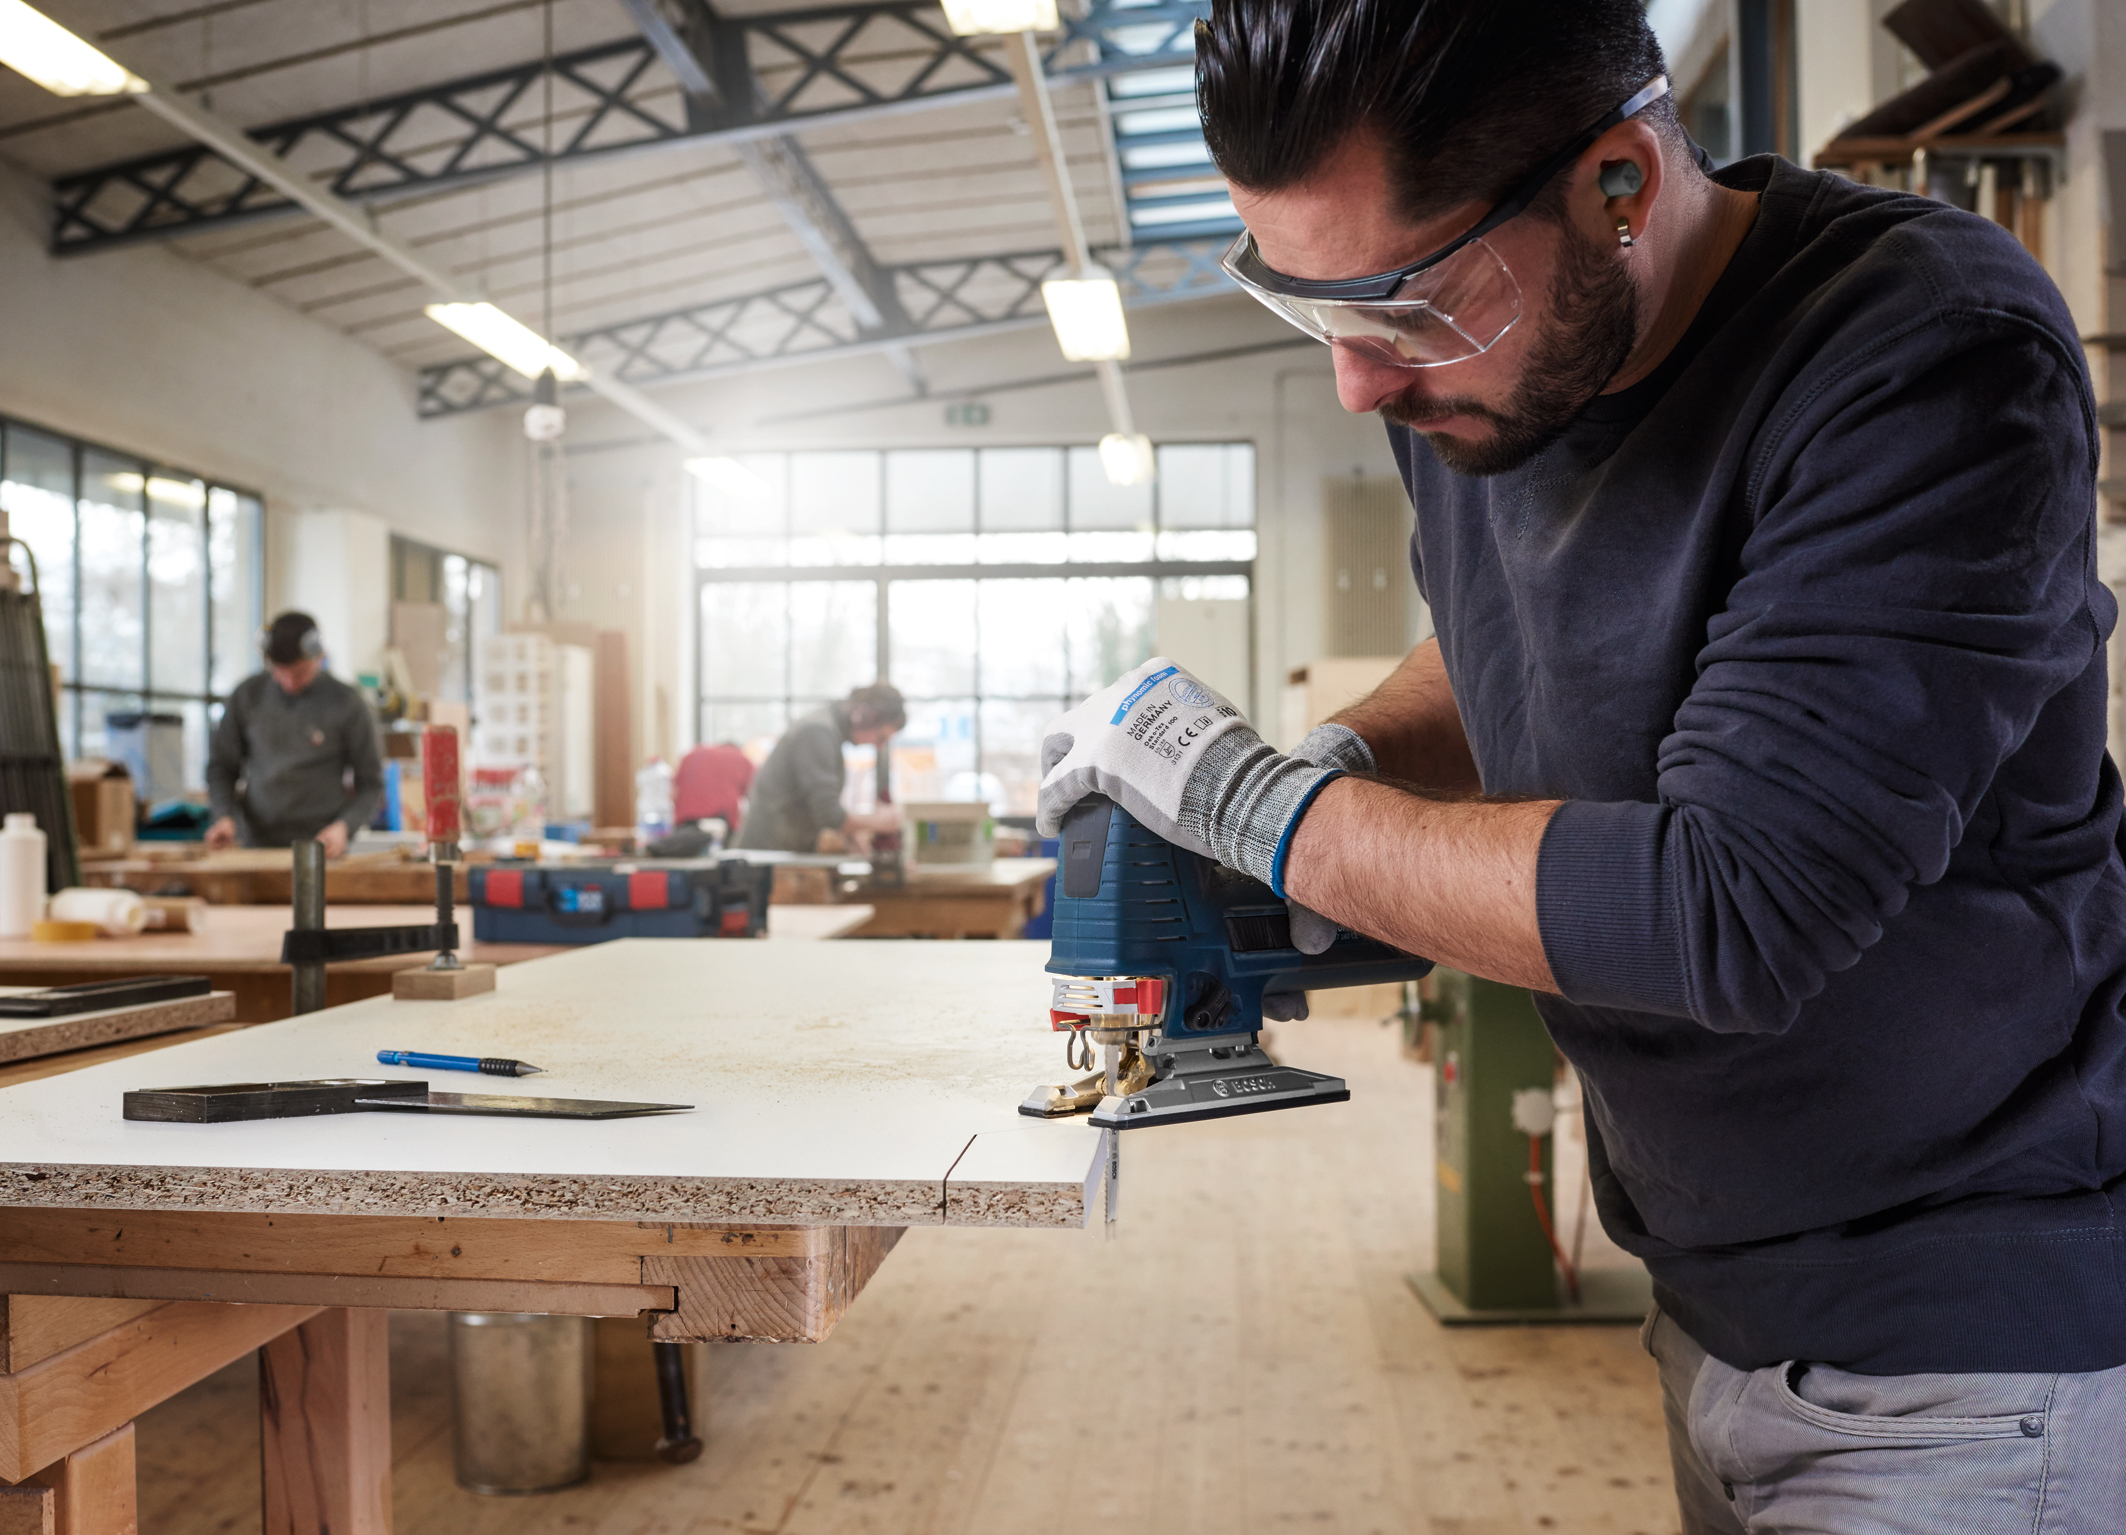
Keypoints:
(1446, 307)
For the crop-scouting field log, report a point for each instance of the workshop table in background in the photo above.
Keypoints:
(238, 949)
(803, 923)
(264, 876)
(995, 903)
(838, 1102)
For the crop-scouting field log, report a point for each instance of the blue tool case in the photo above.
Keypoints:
(589, 903)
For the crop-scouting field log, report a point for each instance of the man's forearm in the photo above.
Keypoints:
(1452, 880)
(1413, 729)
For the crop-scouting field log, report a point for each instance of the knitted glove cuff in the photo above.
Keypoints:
(1337, 746)
(1244, 800)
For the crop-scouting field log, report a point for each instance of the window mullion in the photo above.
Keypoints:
(80, 698)
(147, 595)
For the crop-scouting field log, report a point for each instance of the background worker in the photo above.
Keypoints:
(797, 796)
(295, 755)
(1762, 737)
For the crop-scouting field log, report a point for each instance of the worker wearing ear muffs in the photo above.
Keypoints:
(295, 755)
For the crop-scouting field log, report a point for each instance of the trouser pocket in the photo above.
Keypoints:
(1881, 1455)
(1939, 1409)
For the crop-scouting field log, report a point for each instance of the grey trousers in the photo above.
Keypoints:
(1801, 1449)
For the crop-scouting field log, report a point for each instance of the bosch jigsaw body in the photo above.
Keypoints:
(1169, 963)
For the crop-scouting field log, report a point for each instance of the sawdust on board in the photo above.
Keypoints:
(564, 1037)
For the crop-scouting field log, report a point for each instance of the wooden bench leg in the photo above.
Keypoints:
(325, 1426)
(90, 1492)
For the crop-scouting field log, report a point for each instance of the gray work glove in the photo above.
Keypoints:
(1185, 763)
(1329, 746)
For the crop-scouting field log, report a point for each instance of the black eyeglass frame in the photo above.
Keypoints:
(1248, 267)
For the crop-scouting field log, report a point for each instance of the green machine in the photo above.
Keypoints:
(1494, 1069)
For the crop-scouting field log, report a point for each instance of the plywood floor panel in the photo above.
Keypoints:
(1243, 1357)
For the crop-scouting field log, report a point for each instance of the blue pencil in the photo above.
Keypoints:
(492, 1065)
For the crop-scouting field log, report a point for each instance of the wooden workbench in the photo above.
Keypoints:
(264, 876)
(238, 948)
(997, 903)
(837, 1102)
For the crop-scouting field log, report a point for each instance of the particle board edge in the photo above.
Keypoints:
(85, 1031)
(1045, 1174)
(520, 1196)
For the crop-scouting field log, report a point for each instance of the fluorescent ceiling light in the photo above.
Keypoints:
(1086, 310)
(971, 18)
(1128, 460)
(506, 339)
(34, 45)
(728, 475)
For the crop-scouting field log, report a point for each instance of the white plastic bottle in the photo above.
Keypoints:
(653, 804)
(21, 875)
(116, 913)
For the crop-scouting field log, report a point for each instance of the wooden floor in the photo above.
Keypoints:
(1243, 1355)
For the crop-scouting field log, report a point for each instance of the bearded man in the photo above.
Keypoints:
(1763, 736)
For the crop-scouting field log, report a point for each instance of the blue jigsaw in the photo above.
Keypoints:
(1170, 963)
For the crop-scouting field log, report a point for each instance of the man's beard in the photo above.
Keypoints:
(1594, 323)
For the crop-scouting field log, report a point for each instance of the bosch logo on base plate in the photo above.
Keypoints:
(1192, 692)
(1241, 1087)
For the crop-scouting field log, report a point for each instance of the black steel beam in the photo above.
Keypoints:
(832, 64)
(807, 321)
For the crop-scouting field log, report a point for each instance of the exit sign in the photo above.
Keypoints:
(967, 413)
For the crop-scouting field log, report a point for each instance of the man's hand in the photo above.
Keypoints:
(222, 833)
(334, 837)
(1185, 763)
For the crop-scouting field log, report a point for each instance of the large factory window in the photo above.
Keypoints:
(992, 586)
(169, 563)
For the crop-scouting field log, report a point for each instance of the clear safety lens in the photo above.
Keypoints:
(1446, 313)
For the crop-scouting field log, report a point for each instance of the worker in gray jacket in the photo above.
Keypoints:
(295, 755)
(797, 796)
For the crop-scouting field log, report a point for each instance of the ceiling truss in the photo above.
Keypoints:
(775, 73)
(683, 33)
(807, 322)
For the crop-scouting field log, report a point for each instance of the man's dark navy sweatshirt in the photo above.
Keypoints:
(1806, 632)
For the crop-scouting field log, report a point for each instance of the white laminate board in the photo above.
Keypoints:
(834, 1082)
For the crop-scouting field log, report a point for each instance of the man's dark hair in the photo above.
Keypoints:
(875, 704)
(1468, 96)
(290, 638)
